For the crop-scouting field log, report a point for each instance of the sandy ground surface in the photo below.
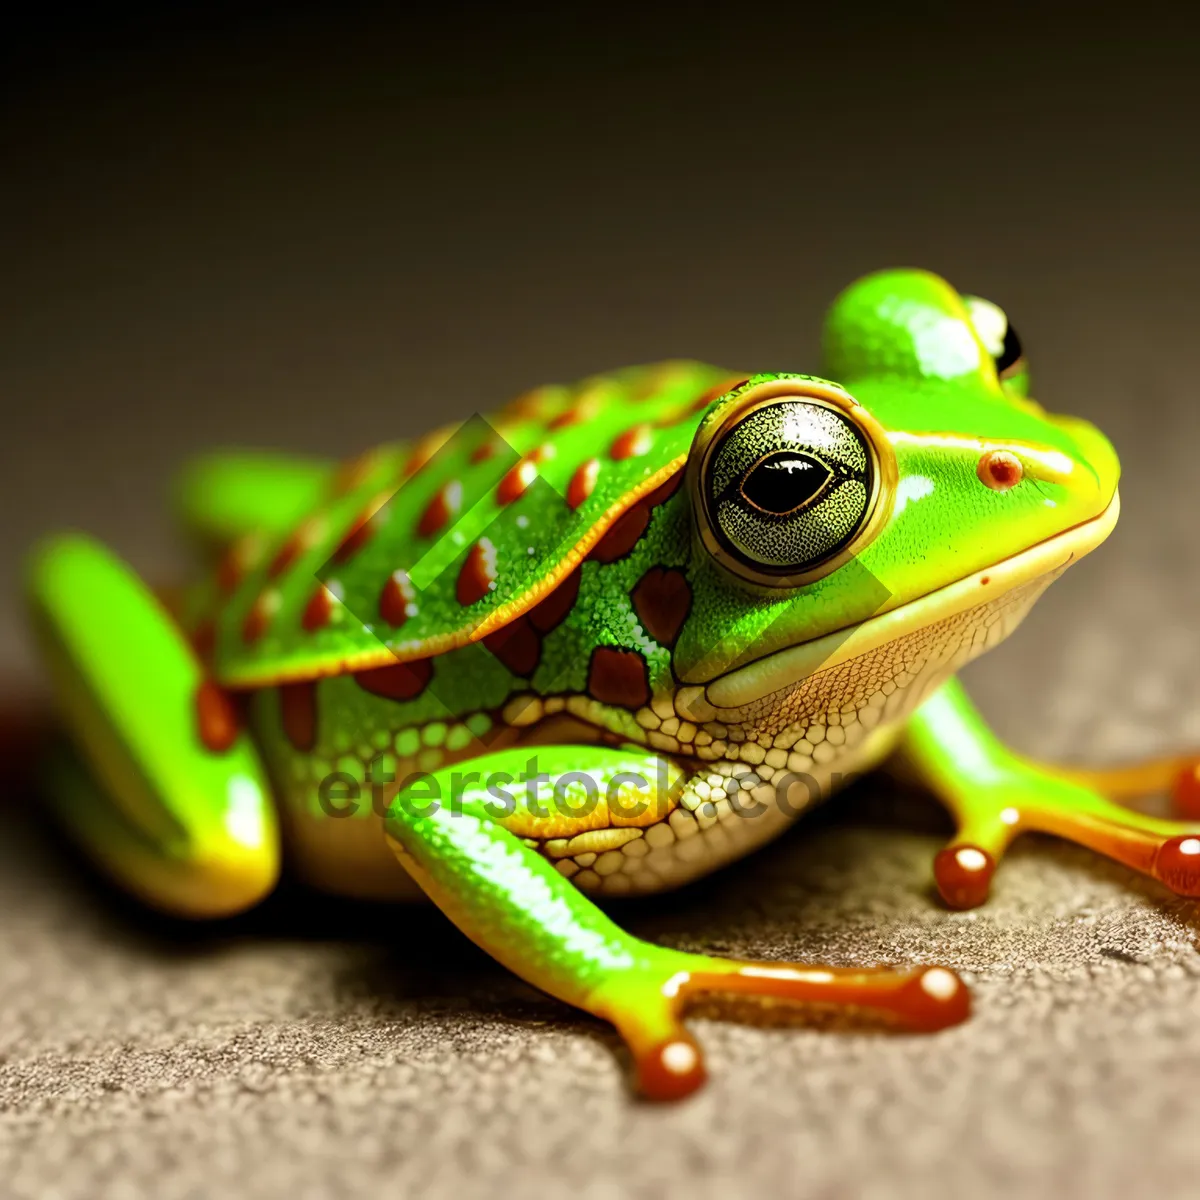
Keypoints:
(318, 1049)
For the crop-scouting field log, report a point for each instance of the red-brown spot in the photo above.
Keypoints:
(216, 718)
(319, 608)
(354, 472)
(664, 491)
(619, 677)
(516, 645)
(402, 681)
(485, 450)
(305, 536)
(623, 535)
(229, 571)
(444, 507)
(362, 529)
(258, 619)
(235, 562)
(662, 600)
(571, 416)
(583, 482)
(584, 406)
(513, 484)
(298, 713)
(360, 533)
(985, 580)
(398, 593)
(1000, 470)
(550, 612)
(633, 443)
(204, 639)
(478, 574)
(288, 553)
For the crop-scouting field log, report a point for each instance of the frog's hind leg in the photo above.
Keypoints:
(227, 494)
(450, 832)
(994, 795)
(172, 801)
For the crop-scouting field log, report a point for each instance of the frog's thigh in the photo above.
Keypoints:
(995, 794)
(514, 903)
(225, 494)
(188, 826)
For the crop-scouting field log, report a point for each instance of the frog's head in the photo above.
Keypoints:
(922, 501)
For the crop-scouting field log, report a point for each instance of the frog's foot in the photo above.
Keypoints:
(1168, 851)
(165, 792)
(995, 795)
(452, 833)
(648, 1006)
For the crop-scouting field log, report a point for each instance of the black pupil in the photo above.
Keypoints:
(1011, 352)
(784, 481)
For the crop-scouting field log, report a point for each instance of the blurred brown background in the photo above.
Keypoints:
(321, 229)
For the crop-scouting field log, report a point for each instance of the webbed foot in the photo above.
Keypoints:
(995, 795)
(513, 902)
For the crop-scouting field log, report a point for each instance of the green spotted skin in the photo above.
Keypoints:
(534, 485)
(535, 576)
(566, 600)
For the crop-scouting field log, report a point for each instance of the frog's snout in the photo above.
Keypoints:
(1096, 452)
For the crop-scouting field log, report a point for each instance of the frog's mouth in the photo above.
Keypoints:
(786, 667)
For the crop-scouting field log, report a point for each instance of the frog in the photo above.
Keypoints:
(598, 644)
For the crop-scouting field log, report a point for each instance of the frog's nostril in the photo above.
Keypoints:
(1000, 470)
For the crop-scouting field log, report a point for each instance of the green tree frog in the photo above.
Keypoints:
(596, 645)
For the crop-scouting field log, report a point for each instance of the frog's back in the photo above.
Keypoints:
(418, 548)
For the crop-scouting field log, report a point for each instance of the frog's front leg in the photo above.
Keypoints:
(449, 831)
(995, 794)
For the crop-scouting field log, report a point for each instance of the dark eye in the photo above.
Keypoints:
(784, 481)
(789, 485)
(997, 334)
(1010, 352)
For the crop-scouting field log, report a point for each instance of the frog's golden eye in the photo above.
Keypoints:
(998, 336)
(790, 481)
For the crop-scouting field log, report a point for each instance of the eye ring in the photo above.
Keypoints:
(882, 477)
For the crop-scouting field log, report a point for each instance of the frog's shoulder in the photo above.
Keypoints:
(419, 548)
